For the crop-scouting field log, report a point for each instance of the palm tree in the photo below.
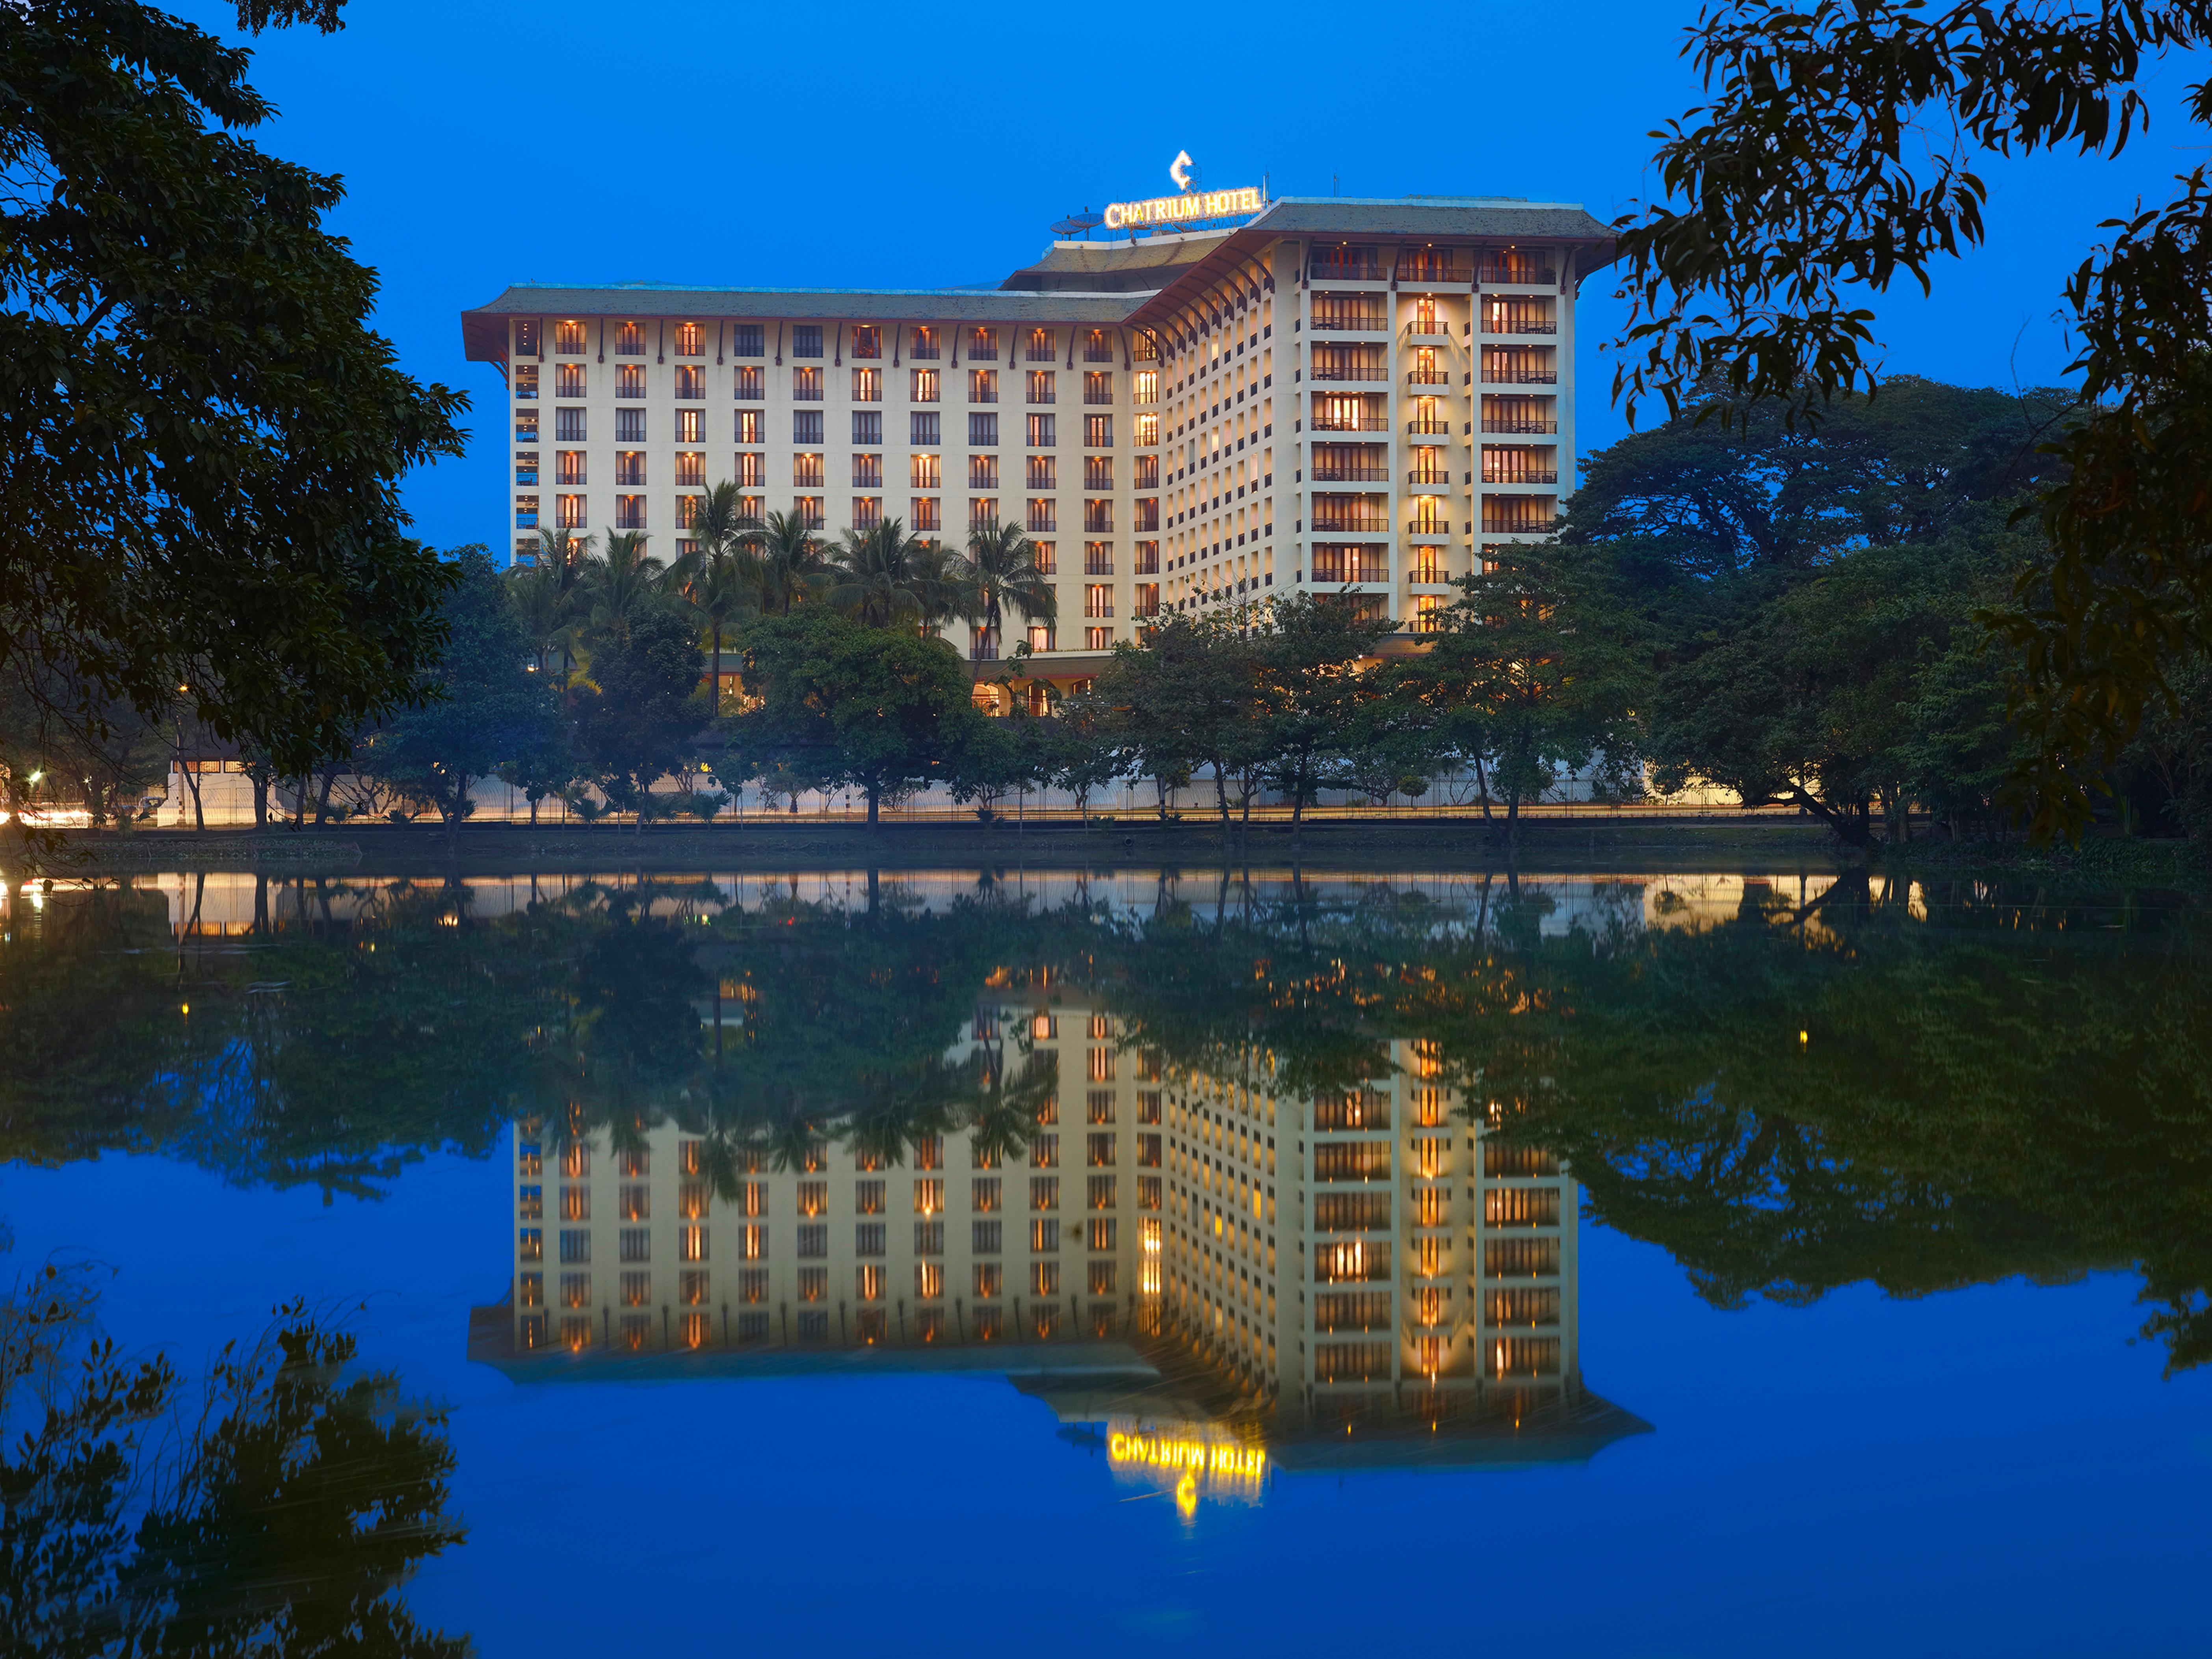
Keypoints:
(1001, 572)
(792, 561)
(721, 575)
(883, 576)
(553, 606)
(622, 587)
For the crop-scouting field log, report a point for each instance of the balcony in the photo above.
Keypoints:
(1435, 329)
(1339, 265)
(1348, 424)
(1517, 326)
(1429, 377)
(1429, 428)
(1488, 275)
(1350, 322)
(1520, 376)
(1530, 477)
(1429, 475)
(1373, 372)
(1351, 524)
(1429, 527)
(1105, 398)
(1339, 473)
(1527, 426)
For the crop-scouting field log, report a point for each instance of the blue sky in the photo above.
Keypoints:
(870, 145)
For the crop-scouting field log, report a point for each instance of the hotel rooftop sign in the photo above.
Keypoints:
(1191, 207)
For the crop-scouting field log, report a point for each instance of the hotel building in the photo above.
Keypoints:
(1353, 396)
(1189, 1261)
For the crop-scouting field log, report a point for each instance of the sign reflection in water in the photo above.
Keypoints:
(1218, 1280)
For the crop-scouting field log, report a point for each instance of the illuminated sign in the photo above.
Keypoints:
(1190, 208)
(1223, 1459)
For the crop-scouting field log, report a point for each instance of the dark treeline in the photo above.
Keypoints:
(1799, 1097)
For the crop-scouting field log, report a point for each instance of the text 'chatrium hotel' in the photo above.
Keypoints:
(1337, 395)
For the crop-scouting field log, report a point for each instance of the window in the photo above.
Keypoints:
(532, 1290)
(1099, 347)
(806, 385)
(1145, 388)
(690, 426)
(1147, 431)
(867, 340)
(867, 511)
(575, 1290)
(868, 386)
(569, 338)
(570, 511)
(868, 1238)
(1101, 1274)
(1097, 639)
(867, 426)
(1100, 1192)
(807, 426)
(1098, 472)
(636, 1288)
(1043, 472)
(1044, 1235)
(922, 343)
(629, 467)
(525, 379)
(985, 1193)
(1097, 386)
(983, 385)
(1044, 1152)
(629, 380)
(567, 379)
(926, 472)
(575, 1244)
(1041, 386)
(629, 426)
(1045, 1192)
(990, 1280)
(525, 512)
(1147, 562)
(1098, 516)
(923, 385)
(806, 470)
(746, 385)
(867, 472)
(1098, 431)
(1042, 513)
(1047, 557)
(929, 1238)
(983, 431)
(630, 513)
(1098, 601)
(1041, 345)
(813, 1239)
(526, 425)
(1043, 431)
(985, 1237)
(531, 1245)
(1148, 1186)
(925, 513)
(526, 339)
(807, 340)
(923, 429)
(1098, 561)
(576, 1204)
(1044, 1278)
(690, 468)
(983, 472)
(630, 340)
(690, 381)
(983, 345)
(1147, 515)
(751, 426)
(746, 341)
(751, 470)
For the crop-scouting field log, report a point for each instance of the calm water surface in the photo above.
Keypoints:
(1680, 1264)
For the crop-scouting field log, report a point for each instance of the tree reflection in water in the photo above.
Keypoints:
(277, 1509)
(1918, 1085)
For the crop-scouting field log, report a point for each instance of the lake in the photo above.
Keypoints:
(1691, 1262)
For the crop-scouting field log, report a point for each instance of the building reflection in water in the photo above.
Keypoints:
(1205, 1281)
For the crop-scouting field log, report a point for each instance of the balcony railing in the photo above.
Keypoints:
(1366, 322)
(1350, 423)
(1429, 428)
(1325, 268)
(1528, 478)
(1106, 398)
(1429, 377)
(1339, 473)
(1429, 331)
(1037, 397)
(1348, 372)
(1528, 425)
(1548, 277)
(1429, 527)
(1517, 326)
(1354, 523)
(1429, 475)
(1521, 376)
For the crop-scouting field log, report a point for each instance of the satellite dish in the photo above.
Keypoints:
(1077, 224)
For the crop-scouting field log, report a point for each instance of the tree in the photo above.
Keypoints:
(619, 589)
(548, 595)
(1837, 151)
(638, 714)
(1527, 676)
(885, 577)
(1187, 696)
(792, 566)
(884, 710)
(484, 705)
(1000, 570)
(721, 578)
(200, 441)
(1081, 754)
(1311, 691)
